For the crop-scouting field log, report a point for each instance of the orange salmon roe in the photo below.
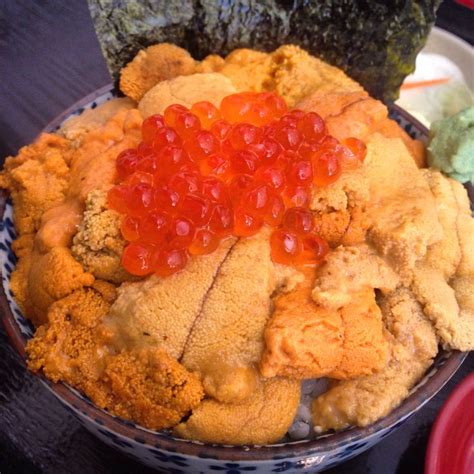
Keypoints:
(203, 174)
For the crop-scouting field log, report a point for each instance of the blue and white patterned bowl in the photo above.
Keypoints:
(173, 455)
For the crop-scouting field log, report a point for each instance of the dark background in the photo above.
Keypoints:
(49, 59)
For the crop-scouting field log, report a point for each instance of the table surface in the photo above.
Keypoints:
(49, 59)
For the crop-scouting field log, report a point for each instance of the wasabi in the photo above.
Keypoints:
(451, 147)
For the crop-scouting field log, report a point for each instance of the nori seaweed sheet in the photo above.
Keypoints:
(374, 41)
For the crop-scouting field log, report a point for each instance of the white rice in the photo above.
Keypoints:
(302, 426)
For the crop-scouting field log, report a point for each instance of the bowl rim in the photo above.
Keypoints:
(160, 440)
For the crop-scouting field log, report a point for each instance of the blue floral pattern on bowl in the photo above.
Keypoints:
(173, 455)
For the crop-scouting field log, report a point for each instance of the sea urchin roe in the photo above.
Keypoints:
(204, 174)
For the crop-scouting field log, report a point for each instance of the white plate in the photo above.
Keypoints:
(459, 51)
(444, 56)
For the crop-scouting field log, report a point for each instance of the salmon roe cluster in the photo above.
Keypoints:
(203, 174)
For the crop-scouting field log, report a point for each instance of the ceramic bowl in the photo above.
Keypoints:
(169, 454)
(452, 436)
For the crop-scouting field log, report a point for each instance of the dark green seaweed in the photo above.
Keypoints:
(374, 41)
